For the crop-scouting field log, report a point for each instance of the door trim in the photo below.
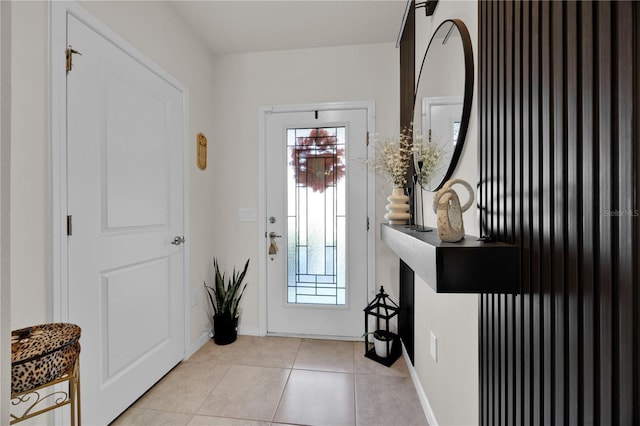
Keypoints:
(369, 106)
(59, 260)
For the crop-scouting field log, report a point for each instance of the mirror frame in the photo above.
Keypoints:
(467, 99)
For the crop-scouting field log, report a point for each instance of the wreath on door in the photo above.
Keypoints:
(317, 161)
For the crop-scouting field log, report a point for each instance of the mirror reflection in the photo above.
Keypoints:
(442, 103)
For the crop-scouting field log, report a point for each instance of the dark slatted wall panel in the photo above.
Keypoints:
(407, 69)
(559, 105)
(408, 76)
(407, 90)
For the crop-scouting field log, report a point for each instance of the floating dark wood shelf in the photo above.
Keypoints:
(468, 266)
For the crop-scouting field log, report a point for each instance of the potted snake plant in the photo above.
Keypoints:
(225, 297)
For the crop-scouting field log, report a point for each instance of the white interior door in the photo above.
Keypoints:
(125, 182)
(316, 185)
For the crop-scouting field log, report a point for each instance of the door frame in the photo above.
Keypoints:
(59, 259)
(369, 106)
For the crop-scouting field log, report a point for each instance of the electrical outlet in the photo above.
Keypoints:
(194, 297)
(434, 347)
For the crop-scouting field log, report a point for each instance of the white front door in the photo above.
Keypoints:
(316, 212)
(125, 181)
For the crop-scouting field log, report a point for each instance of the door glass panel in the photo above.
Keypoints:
(316, 212)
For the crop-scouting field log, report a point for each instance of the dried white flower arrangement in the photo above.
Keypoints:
(392, 157)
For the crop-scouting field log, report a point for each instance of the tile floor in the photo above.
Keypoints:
(266, 381)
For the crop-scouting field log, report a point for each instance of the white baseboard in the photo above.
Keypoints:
(249, 331)
(422, 396)
(195, 346)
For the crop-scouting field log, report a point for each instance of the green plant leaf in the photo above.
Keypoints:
(211, 293)
(226, 295)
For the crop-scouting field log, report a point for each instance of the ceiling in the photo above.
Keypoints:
(239, 26)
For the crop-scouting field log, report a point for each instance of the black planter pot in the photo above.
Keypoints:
(225, 329)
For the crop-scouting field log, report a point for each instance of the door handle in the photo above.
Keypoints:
(273, 247)
(178, 240)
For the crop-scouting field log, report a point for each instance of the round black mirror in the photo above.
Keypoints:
(442, 103)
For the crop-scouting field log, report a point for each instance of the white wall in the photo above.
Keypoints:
(154, 29)
(245, 82)
(5, 167)
(30, 171)
(451, 384)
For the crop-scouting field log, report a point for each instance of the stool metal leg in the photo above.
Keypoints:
(74, 390)
(36, 397)
(72, 394)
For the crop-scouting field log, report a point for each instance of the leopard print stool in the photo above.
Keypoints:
(41, 356)
(42, 353)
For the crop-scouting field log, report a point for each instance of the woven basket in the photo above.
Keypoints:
(42, 353)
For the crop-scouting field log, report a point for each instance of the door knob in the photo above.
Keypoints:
(177, 241)
(274, 235)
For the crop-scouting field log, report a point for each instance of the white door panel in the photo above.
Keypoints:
(125, 176)
(137, 196)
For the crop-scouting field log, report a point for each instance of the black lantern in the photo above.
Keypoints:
(386, 344)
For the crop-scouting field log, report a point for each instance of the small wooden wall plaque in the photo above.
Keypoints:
(202, 151)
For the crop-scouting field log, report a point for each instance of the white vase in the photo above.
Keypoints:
(398, 208)
(382, 348)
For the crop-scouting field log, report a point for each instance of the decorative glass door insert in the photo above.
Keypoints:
(316, 216)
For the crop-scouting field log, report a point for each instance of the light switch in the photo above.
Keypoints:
(247, 215)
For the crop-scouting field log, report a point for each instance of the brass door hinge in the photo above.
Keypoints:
(69, 56)
(69, 223)
(367, 138)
